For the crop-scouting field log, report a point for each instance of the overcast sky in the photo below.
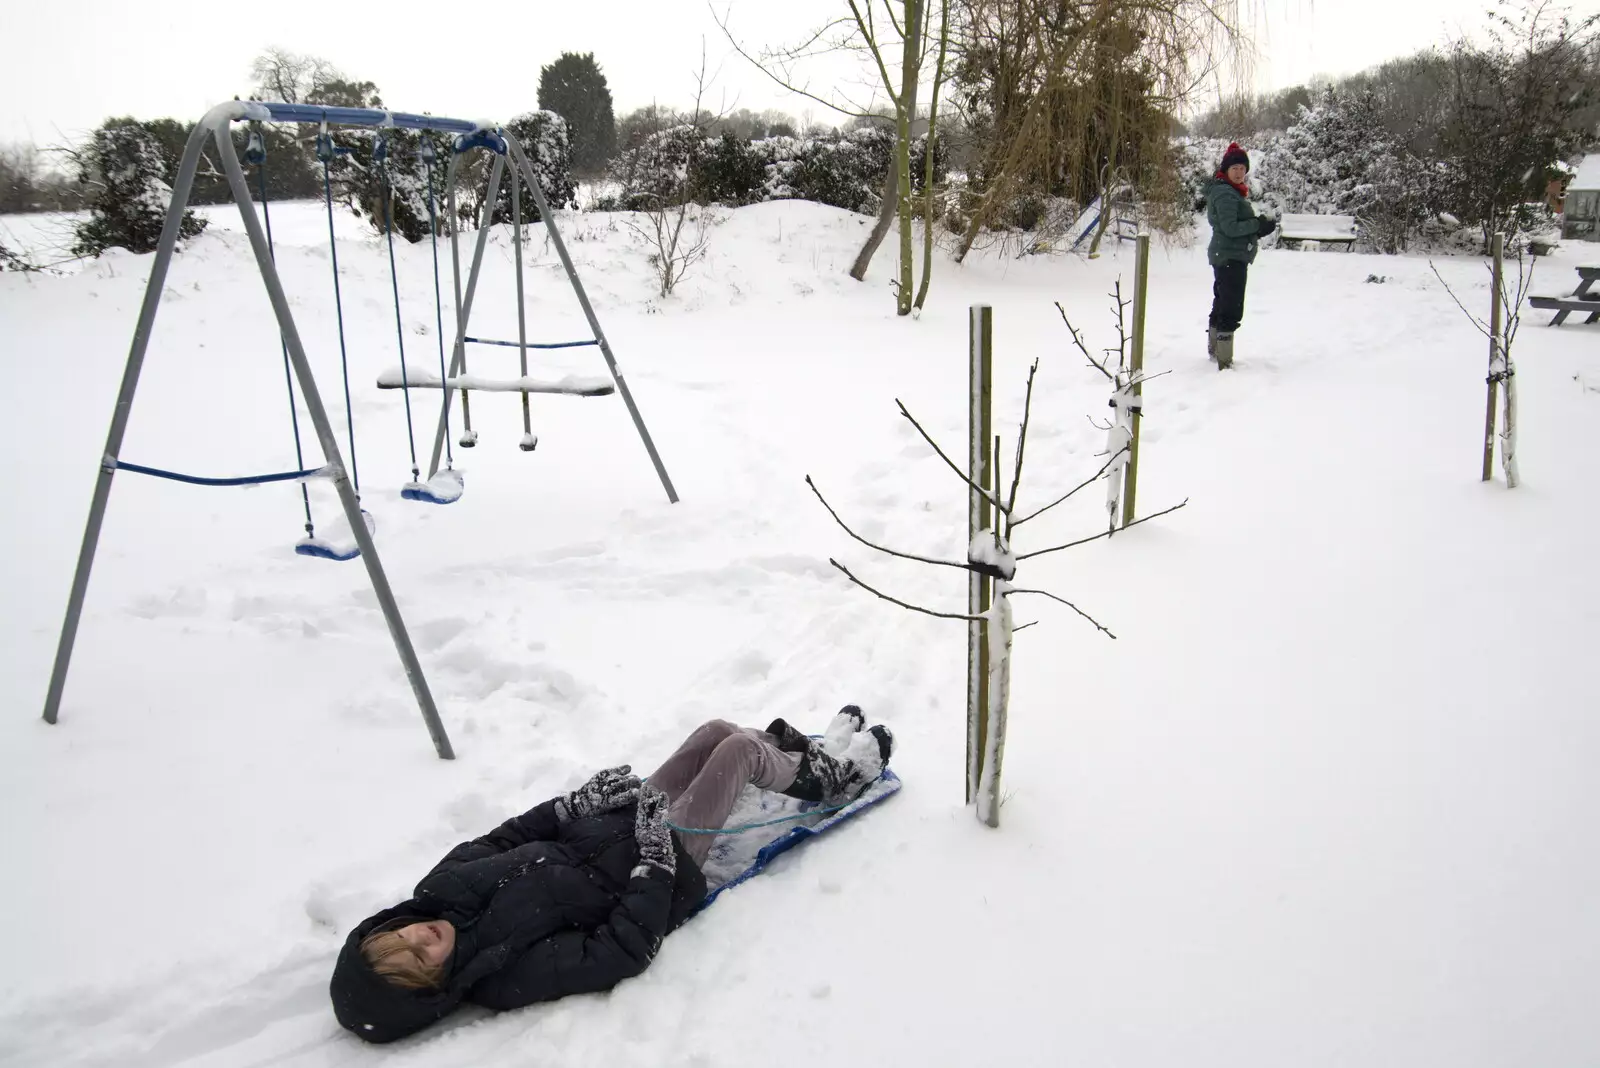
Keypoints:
(67, 66)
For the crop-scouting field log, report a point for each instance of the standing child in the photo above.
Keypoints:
(1235, 234)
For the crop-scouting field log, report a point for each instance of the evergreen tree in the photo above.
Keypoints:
(574, 88)
(127, 166)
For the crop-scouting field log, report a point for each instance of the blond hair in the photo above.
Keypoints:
(396, 961)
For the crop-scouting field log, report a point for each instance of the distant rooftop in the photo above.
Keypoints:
(1588, 174)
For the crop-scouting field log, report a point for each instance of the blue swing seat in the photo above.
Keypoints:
(445, 487)
(323, 549)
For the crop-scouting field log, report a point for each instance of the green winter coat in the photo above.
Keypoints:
(1235, 230)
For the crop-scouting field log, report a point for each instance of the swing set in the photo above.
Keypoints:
(440, 487)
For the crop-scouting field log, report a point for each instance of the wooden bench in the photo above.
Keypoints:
(1329, 229)
(1580, 300)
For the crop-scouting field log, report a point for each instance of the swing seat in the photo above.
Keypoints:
(328, 549)
(566, 385)
(324, 550)
(445, 487)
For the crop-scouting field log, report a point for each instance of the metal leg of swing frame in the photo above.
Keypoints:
(520, 159)
(330, 448)
(119, 420)
(528, 440)
(458, 358)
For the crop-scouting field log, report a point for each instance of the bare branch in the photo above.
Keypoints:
(871, 545)
(1097, 537)
(1022, 444)
(1097, 624)
(793, 55)
(1001, 508)
(1098, 475)
(902, 604)
(1025, 626)
(872, 43)
(1483, 327)
(1077, 339)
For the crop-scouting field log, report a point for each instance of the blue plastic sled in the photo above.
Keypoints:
(887, 785)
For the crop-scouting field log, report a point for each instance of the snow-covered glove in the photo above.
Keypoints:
(652, 834)
(607, 791)
(1268, 225)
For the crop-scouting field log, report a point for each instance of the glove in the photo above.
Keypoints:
(607, 791)
(1268, 225)
(652, 834)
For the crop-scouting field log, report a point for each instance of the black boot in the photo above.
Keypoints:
(788, 738)
(834, 780)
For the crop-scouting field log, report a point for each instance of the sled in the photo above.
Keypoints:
(781, 824)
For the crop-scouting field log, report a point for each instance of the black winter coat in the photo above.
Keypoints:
(541, 909)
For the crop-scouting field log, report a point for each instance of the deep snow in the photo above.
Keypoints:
(1327, 800)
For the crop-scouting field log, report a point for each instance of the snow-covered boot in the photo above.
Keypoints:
(833, 780)
(1224, 350)
(1211, 342)
(846, 725)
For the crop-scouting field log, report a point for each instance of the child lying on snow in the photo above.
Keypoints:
(575, 895)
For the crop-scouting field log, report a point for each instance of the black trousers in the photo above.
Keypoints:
(1227, 296)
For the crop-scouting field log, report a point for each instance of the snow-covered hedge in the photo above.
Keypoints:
(544, 138)
(124, 163)
(844, 170)
(1337, 159)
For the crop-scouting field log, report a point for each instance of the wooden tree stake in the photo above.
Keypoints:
(1141, 283)
(980, 465)
(1496, 361)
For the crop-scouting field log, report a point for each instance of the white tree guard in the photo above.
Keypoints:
(999, 623)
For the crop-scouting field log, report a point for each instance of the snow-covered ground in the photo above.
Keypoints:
(1328, 800)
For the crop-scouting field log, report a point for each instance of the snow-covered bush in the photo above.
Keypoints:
(1336, 159)
(406, 172)
(543, 136)
(843, 170)
(124, 163)
(10, 261)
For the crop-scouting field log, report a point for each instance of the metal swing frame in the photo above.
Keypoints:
(217, 126)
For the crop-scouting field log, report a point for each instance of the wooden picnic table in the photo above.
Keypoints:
(1579, 300)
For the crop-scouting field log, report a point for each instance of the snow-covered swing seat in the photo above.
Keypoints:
(444, 486)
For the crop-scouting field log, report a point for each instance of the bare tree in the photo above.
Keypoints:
(292, 77)
(991, 555)
(673, 226)
(898, 41)
(1507, 313)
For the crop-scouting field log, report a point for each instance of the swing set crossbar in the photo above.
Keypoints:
(529, 344)
(404, 120)
(203, 480)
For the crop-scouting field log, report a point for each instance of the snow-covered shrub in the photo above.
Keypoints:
(661, 169)
(733, 171)
(10, 261)
(124, 163)
(543, 136)
(843, 170)
(405, 172)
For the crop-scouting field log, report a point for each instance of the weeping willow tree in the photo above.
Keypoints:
(1076, 98)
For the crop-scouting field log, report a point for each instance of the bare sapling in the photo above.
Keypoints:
(991, 555)
(1505, 318)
